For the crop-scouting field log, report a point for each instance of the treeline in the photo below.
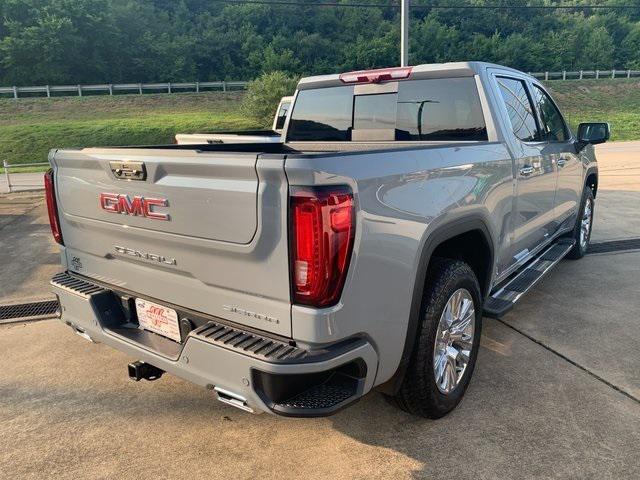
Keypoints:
(85, 41)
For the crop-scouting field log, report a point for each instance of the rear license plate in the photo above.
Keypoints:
(158, 319)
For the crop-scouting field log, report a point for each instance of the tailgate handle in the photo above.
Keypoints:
(128, 170)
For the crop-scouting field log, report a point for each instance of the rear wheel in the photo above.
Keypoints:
(446, 349)
(584, 225)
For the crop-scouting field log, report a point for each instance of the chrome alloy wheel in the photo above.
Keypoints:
(585, 223)
(454, 340)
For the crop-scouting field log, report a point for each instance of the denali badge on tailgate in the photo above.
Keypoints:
(145, 255)
(138, 206)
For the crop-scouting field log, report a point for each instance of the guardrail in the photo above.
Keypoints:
(111, 88)
(586, 74)
(169, 87)
(28, 185)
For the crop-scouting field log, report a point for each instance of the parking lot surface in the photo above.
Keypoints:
(21, 182)
(555, 393)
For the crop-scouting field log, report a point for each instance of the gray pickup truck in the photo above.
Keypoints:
(361, 253)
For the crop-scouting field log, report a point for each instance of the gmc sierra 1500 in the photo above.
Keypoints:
(362, 252)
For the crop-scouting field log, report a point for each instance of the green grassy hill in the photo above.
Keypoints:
(29, 127)
(614, 101)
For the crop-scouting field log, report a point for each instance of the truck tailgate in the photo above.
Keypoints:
(205, 230)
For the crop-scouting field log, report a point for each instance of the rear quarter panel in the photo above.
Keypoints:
(402, 197)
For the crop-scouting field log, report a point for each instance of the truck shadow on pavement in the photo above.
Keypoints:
(70, 410)
(527, 414)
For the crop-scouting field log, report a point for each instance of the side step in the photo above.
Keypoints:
(502, 300)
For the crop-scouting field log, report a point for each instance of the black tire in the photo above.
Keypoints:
(579, 250)
(419, 393)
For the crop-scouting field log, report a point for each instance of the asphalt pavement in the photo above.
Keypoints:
(556, 392)
(21, 182)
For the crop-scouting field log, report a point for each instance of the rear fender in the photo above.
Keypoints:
(431, 242)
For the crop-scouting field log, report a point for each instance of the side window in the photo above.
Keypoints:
(553, 126)
(523, 122)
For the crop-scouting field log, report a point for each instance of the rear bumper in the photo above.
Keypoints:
(270, 375)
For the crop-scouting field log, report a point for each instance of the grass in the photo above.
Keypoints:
(29, 127)
(614, 101)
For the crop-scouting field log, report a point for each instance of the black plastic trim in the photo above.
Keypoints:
(592, 170)
(317, 394)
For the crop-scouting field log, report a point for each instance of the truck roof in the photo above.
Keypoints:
(427, 70)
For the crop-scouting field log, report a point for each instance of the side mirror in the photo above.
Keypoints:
(593, 133)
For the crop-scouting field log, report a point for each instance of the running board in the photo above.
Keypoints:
(502, 300)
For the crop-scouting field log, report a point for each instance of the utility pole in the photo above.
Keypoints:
(404, 33)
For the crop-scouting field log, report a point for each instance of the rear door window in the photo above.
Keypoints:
(520, 109)
(428, 110)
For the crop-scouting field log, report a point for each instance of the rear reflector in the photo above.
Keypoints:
(322, 231)
(52, 206)
(376, 76)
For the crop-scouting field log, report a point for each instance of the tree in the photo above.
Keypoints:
(264, 94)
(96, 41)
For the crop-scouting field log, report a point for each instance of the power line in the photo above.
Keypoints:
(435, 6)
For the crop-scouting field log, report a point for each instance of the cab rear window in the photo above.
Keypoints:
(445, 109)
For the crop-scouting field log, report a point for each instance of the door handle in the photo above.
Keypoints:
(560, 162)
(526, 170)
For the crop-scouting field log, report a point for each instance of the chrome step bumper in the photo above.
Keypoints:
(258, 369)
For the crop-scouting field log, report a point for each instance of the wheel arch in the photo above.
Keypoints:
(473, 224)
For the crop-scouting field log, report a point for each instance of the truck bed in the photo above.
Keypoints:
(225, 240)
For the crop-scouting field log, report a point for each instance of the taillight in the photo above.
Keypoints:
(52, 206)
(376, 76)
(322, 231)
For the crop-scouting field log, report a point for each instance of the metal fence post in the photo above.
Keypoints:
(6, 173)
(613, 73)
(580, 74)
(628, 73)
(169, 87)
(224, 86)
(197, 87)
(79, 90)
(597, 74)
(564, 74)
(140, 88)
(546, 76)
(110, 89)
(48, 92)
(15, 92)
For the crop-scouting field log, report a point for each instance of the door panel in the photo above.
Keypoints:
(535, 174)
(561, 151)
(535, 189)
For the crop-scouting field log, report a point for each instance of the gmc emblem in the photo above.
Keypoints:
(138, 207)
